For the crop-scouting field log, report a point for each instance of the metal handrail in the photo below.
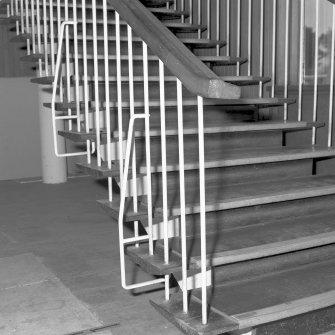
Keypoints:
(54, 95)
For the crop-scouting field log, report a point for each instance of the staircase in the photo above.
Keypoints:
(215, 168)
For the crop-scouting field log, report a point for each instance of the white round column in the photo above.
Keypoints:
(54, 169)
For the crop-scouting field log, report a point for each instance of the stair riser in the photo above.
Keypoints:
(246, 216)
(260, 267)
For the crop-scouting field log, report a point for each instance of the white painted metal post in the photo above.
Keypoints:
(132, 112)
(301, 56)
(238, 36)
(182, 193)
(274, 47)
(287, 28)
(164, 174)
(107, 114)
(316, 56)
(331, 93)
(202, 192)
(261, 48)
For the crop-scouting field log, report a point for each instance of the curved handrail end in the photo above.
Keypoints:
(220, 89)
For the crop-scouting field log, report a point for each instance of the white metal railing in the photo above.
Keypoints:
(94, 46)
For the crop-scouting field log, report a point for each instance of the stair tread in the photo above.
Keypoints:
(217, 157)
(202, 42)
(247, 194)
(112, 207)
(167, 13)
(283, 294)
(190, 127)
(48, 80)
(241, 244)
(191, 323)
(156, 3)
(237, 80)
(219, 60)
(212, 127)
(246, 80)
(21, 37)
(192, 42)
(100, 171)
(178, 27)
(252, 101)
(259, 102)
(9, 20)
(214, 60)
(264, 239)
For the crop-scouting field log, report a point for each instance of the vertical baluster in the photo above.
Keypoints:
(107, 98)
(191, 11)
(164, 173)
(218, 27)
(238, 36)
(17, 22)
(132, 112)
(11, 7)
(45, 38)
(261, 48)
(199, 17)
(27, 26)
(147, 145)
(39, 43)
(67, 60)
(316, 56)
(202, 192)
(61, 88)
(249, 36)
(33, 41)
(182, 8)
(228, 27)
(119, 92)
(182, 193)
(22, 17)
(331, 94)
(96, 83)
(52, 37)
(209, 22)
(301, 56)
(76, 63)
(16, 8)
(287, 28)
(8, 10)
(85, 81)
(58, 18)
(274, 47)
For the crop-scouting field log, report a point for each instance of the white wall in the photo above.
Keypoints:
(19, 129)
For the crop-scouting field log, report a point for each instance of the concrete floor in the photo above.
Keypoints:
(74, 238)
